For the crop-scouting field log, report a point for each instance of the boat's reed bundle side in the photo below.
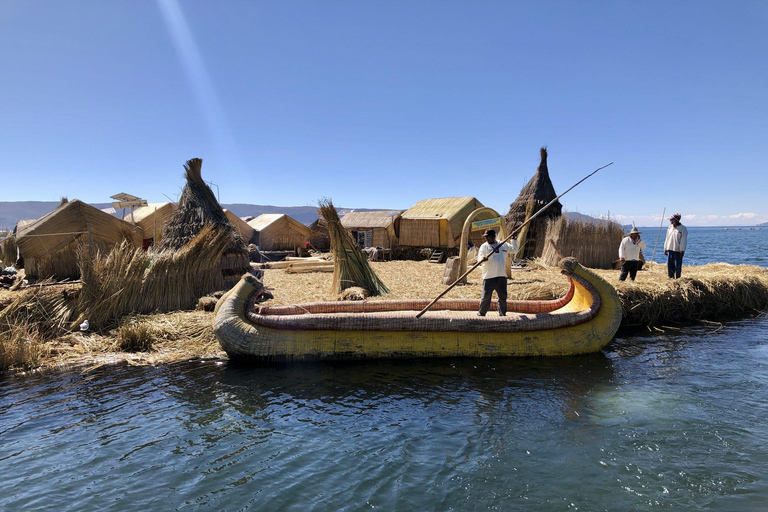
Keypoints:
(582, 321)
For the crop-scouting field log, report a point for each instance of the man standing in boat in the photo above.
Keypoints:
(494, 271)
(674, 246)
(630, 251)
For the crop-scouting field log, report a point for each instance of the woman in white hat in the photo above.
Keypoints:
(630, 250)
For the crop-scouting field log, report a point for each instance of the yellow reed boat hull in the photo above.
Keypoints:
(583, 322)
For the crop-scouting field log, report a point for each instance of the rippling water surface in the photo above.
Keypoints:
(735, 245)
(669, 423)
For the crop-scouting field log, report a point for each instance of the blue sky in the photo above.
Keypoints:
(379, 104)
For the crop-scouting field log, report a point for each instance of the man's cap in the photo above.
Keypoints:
(635, 231)
(676, 217)
(490, 232)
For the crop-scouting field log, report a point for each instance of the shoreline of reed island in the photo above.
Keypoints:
(653, 303)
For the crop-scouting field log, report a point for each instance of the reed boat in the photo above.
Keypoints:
(584, 320)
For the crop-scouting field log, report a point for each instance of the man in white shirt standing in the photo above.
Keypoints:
(630, 250)
(674, 246)
(494, 271)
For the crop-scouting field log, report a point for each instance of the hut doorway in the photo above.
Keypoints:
(364, 238)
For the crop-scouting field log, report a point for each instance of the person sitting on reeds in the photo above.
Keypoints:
(630, 250)
(494, 271)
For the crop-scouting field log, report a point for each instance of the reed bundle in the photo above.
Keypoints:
(593, 244)
(351, 267)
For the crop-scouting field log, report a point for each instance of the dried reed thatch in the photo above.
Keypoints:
(594, 244)
(381, 227)
(197, 208)
(49, 245)
(436, 222)
(280, 232)
(8, 251)
(151, 218)
(539, 191)
(351, 267)
(320, 239)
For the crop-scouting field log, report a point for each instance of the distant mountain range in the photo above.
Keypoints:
(13, 211)
(763, 225)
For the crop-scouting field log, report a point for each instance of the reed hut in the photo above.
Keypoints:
(279, 232)
(198, 207)
(593, 244)
(151, 219)
(536, 194)
(320, 239)
(49, 245)
(436, 223)
(373, 229)
(246, 232)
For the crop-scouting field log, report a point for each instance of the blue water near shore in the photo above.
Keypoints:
(670, 422)
(736, 245)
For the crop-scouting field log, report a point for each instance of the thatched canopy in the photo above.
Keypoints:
(436, 222)
(47, 245)
(197, 207)
(197, 210)
(280, 232)
(151, 218)
(537, 193)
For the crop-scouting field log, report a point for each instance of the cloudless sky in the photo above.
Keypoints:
(379, 104)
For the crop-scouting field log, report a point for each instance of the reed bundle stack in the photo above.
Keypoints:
(715, 291)
(536, 194)
(351, 267)
(196, 209)
(8, 251)
(593, 244)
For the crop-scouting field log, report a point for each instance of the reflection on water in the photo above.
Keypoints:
(664, 422)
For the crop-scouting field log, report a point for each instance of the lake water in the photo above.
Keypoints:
(736, 245)
(673, 422)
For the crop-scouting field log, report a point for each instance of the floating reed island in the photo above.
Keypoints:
(30, 336)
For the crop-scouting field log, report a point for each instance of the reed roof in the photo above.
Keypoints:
(443, 208)
(539, 191)
(70, 220)
(280, 221)
(247, 233)
(375, 219)
(197, 207)
(150, 210)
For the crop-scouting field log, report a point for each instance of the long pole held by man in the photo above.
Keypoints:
(509, 237)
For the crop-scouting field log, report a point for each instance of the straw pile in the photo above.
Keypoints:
(593, 244)
(351, 267)
(8, 252)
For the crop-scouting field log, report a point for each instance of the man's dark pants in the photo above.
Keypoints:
(674, 263)
(629, 267)
(489, 285)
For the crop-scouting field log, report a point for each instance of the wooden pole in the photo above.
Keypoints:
(509, 237)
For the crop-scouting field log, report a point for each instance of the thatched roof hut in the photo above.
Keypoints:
(198, 207)
(320, 239)
(279, 232)
(537, 193)
(247, 233)
(151, 218)
(49, 244)
(436, 222)
(375, 228)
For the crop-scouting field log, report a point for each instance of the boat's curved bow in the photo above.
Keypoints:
(582, 321)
